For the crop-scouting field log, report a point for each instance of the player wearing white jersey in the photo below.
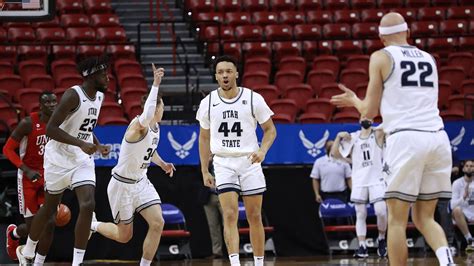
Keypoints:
(403, 82)
(67, 160)
(368, 186)
(129, 189)
(228, 118)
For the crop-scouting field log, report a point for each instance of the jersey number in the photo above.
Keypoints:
(411, 68)
(88, 125)
(366, 155)
(149, 154)
(224, 128)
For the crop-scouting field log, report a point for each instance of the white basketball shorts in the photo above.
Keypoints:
(368, 194)
(57, 179)
(239, 174)
(127, 196)
(418, 166)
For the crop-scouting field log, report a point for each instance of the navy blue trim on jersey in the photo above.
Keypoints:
(147, 205)
(82, 183)
(87, 96)
(436, 195)
(251, 192)
(393, 65)
(412, 129)
(400, 195)
(209, 109)
(238, 97)
(251, 103)
(228, 189)
(124, 179)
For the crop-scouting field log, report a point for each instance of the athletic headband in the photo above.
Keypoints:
(393, 29)
(92, 70)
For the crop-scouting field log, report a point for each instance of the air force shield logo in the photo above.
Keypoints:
(182, 151)
(458, 139)
(314, 149)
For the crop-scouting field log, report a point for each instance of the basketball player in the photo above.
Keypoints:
(368, 186)
(228, 118)
(129, 189)
(29, 137)
(404, 84)
(68, 161)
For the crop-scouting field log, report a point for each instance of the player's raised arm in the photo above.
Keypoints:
(138, 128)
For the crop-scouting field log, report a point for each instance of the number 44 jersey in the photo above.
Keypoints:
(79, 123)
(410, 92)
(232, 122)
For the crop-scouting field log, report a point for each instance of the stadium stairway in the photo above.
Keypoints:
(131, 13)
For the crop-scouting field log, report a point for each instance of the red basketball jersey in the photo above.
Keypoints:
(32, 146)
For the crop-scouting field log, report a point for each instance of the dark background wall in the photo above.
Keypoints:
(288, 203)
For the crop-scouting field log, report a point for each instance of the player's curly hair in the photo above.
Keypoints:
(92, 62)
(226, 58)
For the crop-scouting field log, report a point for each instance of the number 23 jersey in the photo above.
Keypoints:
(80, 123)
(232, 122)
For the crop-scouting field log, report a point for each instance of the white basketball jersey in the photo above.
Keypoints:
(233, 124)
(410, 93)
(80, 123)
(366, 159)
(135, 157)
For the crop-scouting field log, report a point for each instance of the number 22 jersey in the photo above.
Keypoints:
(80, 123)
(410, 92)
(232, 122)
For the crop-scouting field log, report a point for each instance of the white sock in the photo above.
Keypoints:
(39, 259)
(258, 260)
(30, 248)
(94, 226)
(78, 256)
(468, 236)
(362, 244)
(145, 262)
(234, 259)
(381, 236)
(444, 256)
(15, 234)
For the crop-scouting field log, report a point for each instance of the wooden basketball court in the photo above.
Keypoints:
(418, 260)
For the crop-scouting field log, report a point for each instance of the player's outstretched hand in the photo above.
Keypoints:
(158, 73)
(88, 148)
(257, 157)
(345, 99)
(168, 168)
(209, 180)
(103, 149)
(344, 135)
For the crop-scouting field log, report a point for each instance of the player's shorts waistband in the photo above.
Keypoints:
(412, 129)
(125, 180)
(236, 155)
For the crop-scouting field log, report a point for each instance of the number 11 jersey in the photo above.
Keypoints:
(410, 92)
(232, 122)
(79, 123)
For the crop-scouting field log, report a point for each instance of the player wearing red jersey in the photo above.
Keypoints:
(29, 137)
